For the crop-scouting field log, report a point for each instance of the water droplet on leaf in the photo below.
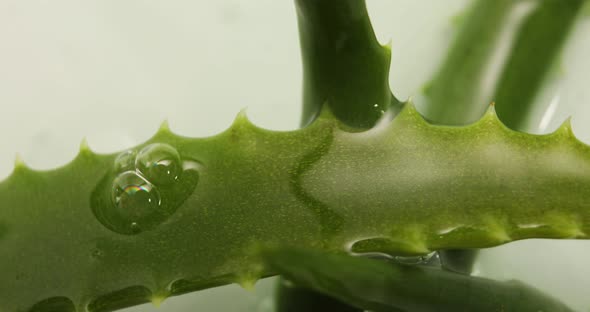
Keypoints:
(155, 187)
(134, 196)
(125, 161)
(159, 163)
(135, 200)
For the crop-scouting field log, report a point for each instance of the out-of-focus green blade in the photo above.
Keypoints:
(387, 286)
(503, 52)
(534, 57)
(292, 298)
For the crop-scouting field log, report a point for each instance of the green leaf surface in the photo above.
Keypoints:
(404, 187)
(504, 51)
(384, 286)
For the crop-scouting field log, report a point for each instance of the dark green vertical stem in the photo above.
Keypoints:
(345, 67)
(535, 53)
(343, 63)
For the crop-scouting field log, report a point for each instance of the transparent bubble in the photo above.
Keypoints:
(125, 161)
(134, 198)
(159, 163)
(140, 199)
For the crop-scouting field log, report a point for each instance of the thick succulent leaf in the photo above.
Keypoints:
(504, 51)
(82, 235)
(383, 286)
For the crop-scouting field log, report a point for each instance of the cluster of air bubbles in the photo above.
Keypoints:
(125, 161)
(135, 190)
(134, 195)
(148, 186)
(159, 163)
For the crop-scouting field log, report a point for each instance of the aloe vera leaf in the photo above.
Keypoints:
(533, 58)
(421, 188)
(389, 287)
(344, 65)
(457, 93)
(502, 53)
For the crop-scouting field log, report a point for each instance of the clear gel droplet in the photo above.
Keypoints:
(141, 199)
(125, 161)
(135, 199)
(134, 195)
(159, 163)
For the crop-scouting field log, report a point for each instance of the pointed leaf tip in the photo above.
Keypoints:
(248, 285)
(324, 116)
(490, 117)
(492, 109)
(241, 120)
(491, 112)
(387, 46)
(157, 300)
(566, 128)
(84, 147)
(243, 113)
(326, 113)
(19, 163)
(165, 126)
(19, 166)
(411, 114)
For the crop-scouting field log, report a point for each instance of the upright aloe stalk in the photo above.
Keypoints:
(344, 66)
(346, 69)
